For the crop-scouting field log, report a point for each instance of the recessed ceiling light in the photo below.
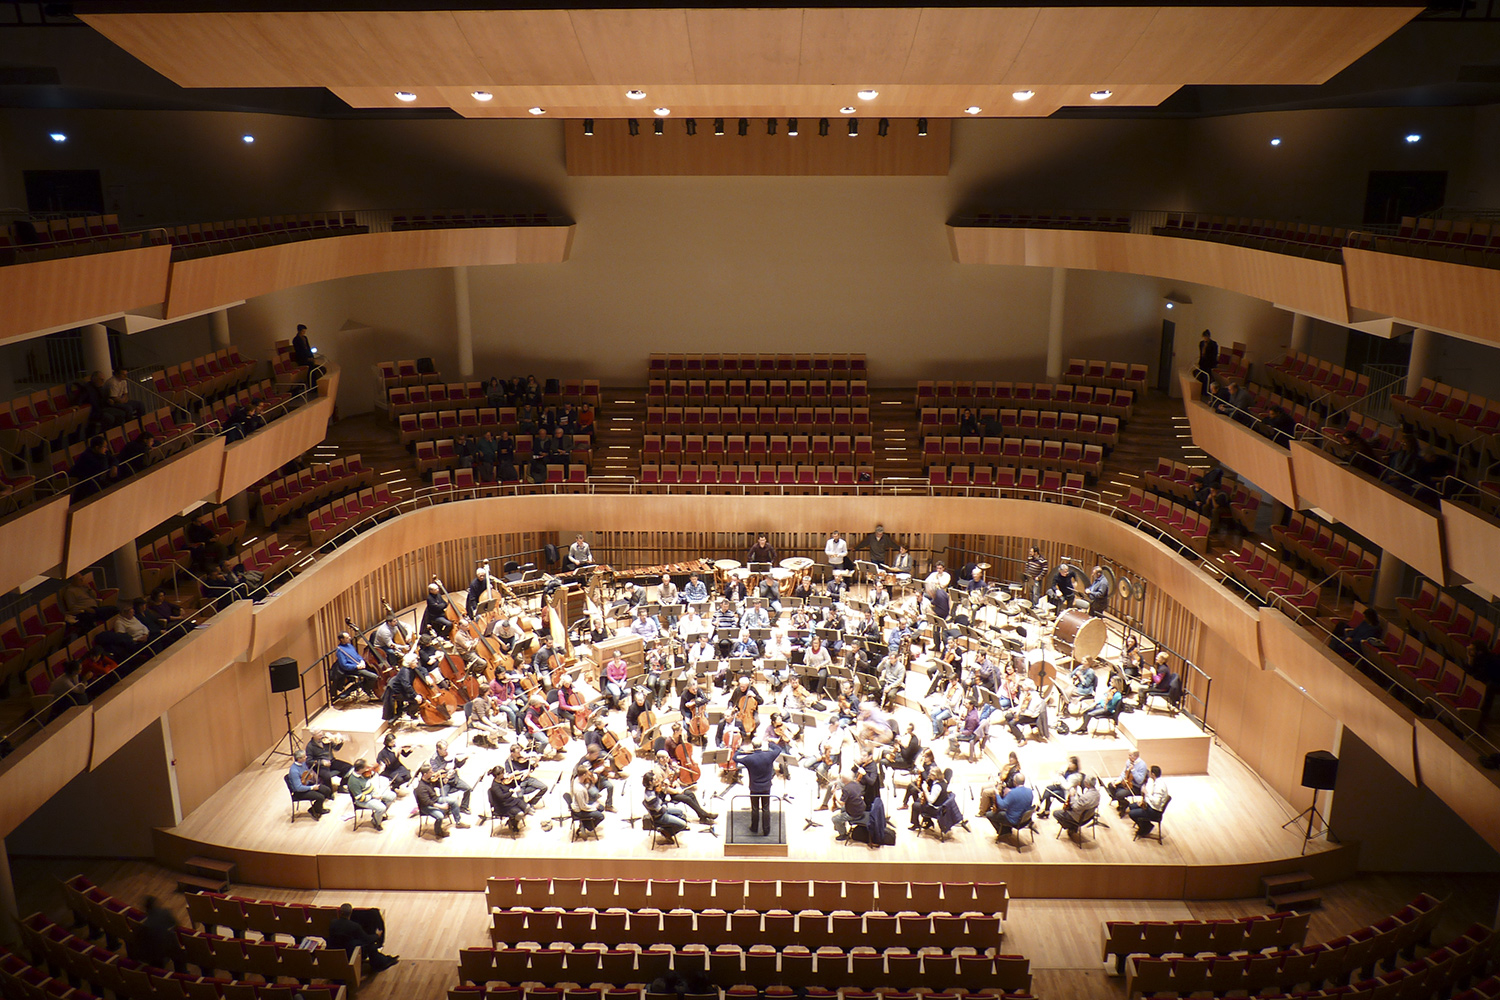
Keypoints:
(536, 111)
(405, 95)
(846, 110)
(482, 95)
(1414, 137)
(868, 95)
(1023, 95)
(247, 138)
(636, 95)
(59, 136)
(1276, 141)
(662, 111)
(1101, 95)
(791, 126)
(972, 110)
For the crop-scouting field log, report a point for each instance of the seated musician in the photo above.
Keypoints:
(692, 626)
(1010, 808)
(586, 805)
(802, 589)
(796, 698)
(504, 631)
(1165, 683)
(1153, 802)
(725, 619)
(432, 803)
(975, 580)
(520, 767)
(446, 765)
(658, 677)
(938, 576)
(974, 730)
(390, 760)
(477, 589)
(666, 591)
(903, 755)
(1098, 593)
(892, 677)
(693, 698)
(1130, 782)
(668, 819)
(579, 553)
(826, 764)
(1030, 711)
(390, 641)
(745, 648)
(435, 615)
(571, 702)
(701, 649)
(1106, 707)
(362, 793)
(535, 706)
(817, 659)
(541, 662)
(668, 783)
(836, 589)
(761, 552)
(735, 590)
(482, 718)
(616, 671)
(878, 596)
(1068, 777)
(847, 703)
(351, 667)
(944, 707)
(777, 659)
(851, 806)
(645, 626)
(1082, 800)
(510, 701)
(993, 790)
(755, 616)
(695, 592)
(901, 562)
(1081, 684)
(307, 787)
(742, 690)
(596, 760)
(634, 597)
(874, 726)
(640, 703)
(320, 754)
(505, 803)
(769, 594)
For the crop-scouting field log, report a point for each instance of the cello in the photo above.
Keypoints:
(438, 703)
(555, 728)
(698, 725)
(616, 748)
(749, 712)
(688, 770)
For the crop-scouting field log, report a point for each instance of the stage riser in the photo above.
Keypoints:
(1025, 880)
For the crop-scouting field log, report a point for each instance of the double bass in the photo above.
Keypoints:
(438, 702)
(698, 725)
(383, 671)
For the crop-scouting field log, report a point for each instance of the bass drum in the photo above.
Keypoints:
(1079, 636)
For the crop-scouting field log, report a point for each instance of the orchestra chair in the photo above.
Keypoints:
(1027, 822)
(1090, 820)
(657, 837)
(576, 828)
(292, 791)
(357, 809)
(1155, 833)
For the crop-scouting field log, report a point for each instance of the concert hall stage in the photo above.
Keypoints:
(1223, 831)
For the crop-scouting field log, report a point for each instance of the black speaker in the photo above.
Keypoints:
(283, 675)
(1320, 770)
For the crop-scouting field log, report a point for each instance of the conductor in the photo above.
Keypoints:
(760, 767)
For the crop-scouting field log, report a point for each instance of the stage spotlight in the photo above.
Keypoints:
(636, 95)
(1276, 141)
(921, 126)
(744, 126)
(885, 126)
(1022, 95)
(692, 126)
(847, 110)
(770, 126)
(718, 126)
(659, 127)
(1414, 137)
(822, 126)
(1101, 95)
(247, 138)
(482, 95)
(791, 126)
(853, 127)
(58, 136)
(405, 96)
(588, 126)
(635, 127)
(662, 112)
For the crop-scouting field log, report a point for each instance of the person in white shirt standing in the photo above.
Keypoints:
(837, 551)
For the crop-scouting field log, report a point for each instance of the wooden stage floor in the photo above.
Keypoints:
(1223, 832)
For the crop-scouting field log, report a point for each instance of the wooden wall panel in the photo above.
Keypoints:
(128, 707)
(210, 282)
(1427, 293)
(1387, 517)
(34, 541)
(1448, 769)
(283, 439)
(1252, 456)
(71, 291)
(1381, 721)
(41, 766)
(613, 151)
(106, 521)
(1472, 539)
(1309, 286)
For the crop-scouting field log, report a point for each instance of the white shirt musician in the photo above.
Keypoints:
(579, 553)
(837, 550)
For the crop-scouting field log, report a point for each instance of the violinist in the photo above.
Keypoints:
(668, 782)
(320, 754)
(917, 796)
(668, 819)
(657, 677)
(505, 803)
(445, 769)
(535, 706)
(906, 750)
(825, 767)
(604, 770)
(351, 666)
(435, 615)
(520, 769)
(817, 658)
(797, 698)
(390, 760)
(640, 704)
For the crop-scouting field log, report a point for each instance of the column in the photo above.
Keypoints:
(218, 327)
(1388, 580)
(239, 506)
(96, 349)
(10, 916)
(1055, 323)
(463, 322)
(128, 571)
(1302, 327)
(1422, 344)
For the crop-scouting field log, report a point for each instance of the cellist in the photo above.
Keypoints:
(668, 782)
(538, 730)
(572, 704)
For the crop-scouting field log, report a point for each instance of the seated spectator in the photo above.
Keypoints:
(79, 604)
(345, 934)
(102, 413)
(162, 611)
(1402, 463)
(94, 470)
(1360, 455)
(117, 395)
(140, 454)
(1279, 426)
(128, 636)
(67, 690)
(202, 541)
(1369, 628)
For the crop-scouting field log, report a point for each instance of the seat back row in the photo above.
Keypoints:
(204, 377)
(605, 991)
(757, 392)
(755, 894)
(1064, 425)
(764, 419)
(765, 475)
(1123, 938)
(1023, 479)
(1034, 395)
(269, 918)
(765, 364)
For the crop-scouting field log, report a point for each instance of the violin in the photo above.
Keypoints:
(778, 728)
(688, 770)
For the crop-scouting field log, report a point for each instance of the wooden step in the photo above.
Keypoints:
(1297, 899)
(197, 883)
(1285, 882)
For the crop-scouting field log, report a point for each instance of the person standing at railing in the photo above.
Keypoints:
(1208, 359)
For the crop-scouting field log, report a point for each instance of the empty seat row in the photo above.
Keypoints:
(738, 446)
(1187, 526)
(1318, 381)
(1273, 580)
(1064, 456)
(1422, 669)
(764, 364)
(450, 220)
(1023, 480)
(44, 415)
(764, 474)
(1447, 623)
(1032, 395)
(757, 392)
(1109, 222)
(1299, 238)
(285, 495)
(446, 481)
(266, 917)
(765, 419)
(992, 422)
(777, 928)
(334, 518)
(433, 396)
(755, 894)
(1123, 938)
(636, 991)
(1451, 415)
(322, 223)
(1318, 545)
(1114, 374)
(204, 377)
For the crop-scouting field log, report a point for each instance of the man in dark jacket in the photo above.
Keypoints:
(345, 934)
(760, 767)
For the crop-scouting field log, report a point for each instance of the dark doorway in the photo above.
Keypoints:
(1164, 359)
(80, 192)
(1394, 193)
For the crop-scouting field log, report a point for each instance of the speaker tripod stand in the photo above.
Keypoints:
(293, 745)
(1314, 817)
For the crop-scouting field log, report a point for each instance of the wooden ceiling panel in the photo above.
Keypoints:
(966, 45)
(1078, 44)
(745, 46)
(415, 47)
(635, 48)
(842, 46)
(1188, 43)
(1309, 44)
(519, 47)
(191, 50)
(313, 48)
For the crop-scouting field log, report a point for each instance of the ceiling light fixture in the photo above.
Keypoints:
(661, 112)
(744, 126)
(885, 126)
(536, 111)
(692, 126)
(853, 127)
(921, 126)
(1414, 137)
(482, 95)
(847, 110)
(791, 126)
(972, 109)
(1101, 95)
(59, 136)
(636, 95)
(770, 126)
(718, 126)
(635, 126)
(588, 126)
(659, 129)
(1023, 95)
(868, 95)
(1276, 140)
(247, 138)
(822, 126)
(405, 95)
